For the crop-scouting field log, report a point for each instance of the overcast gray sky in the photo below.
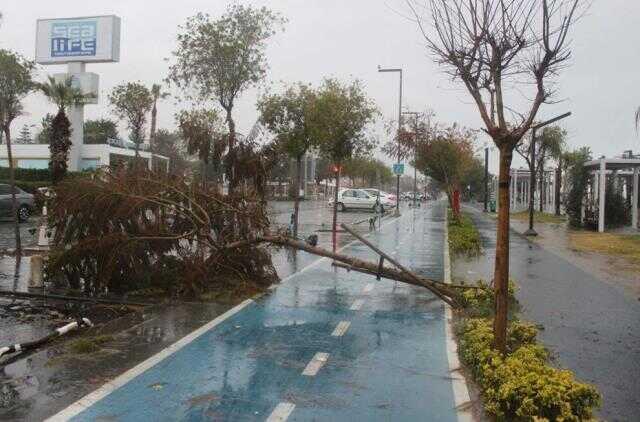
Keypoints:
(348, 39)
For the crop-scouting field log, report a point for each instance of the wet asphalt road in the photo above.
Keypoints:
(590, 326)
(35, 386)
(323, 345)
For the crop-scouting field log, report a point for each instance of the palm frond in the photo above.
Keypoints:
(62, 93)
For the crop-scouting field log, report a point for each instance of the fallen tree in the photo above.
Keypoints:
(130, 229)
(441, 290)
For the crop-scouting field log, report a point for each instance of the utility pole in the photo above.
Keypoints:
(532, 189)
(398, 70)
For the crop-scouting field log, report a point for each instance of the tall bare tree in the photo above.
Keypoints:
(492, 46)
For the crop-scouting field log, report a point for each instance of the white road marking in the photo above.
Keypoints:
(368, 288)
(316, 363)
(357, 305)
(461, 396)
(281, 412)
(105, 390)
(341, 329)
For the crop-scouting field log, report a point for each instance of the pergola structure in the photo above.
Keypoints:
(520, 185)
(625, 173)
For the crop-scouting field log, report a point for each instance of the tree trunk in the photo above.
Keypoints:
(558, 186)
(231, 171)
(152, 134)
(501, 275)
(12, 183)
(335, 208)
(296, 197)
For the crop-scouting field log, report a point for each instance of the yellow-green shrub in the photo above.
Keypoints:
(463, 236)
(521, 385)
(479, 301)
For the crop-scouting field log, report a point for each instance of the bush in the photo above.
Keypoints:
(463, 236)
(26, 175)
(522, 386)
(479, 301)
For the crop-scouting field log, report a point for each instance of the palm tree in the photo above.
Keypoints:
(157, 94)
(63, 94)
(637, 119)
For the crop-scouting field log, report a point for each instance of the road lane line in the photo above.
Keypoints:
(357, 305)
(316, 363)
(368, 288)
(341, 329)
(282, 412)
(461, 396)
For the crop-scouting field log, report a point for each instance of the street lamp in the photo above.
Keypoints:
(531, 231)
(398, 70)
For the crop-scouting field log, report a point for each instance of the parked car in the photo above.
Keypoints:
(387, 199)
(358, 199)
(26, 203)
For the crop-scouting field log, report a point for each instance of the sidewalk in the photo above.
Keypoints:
(591, 326)
(323, 345)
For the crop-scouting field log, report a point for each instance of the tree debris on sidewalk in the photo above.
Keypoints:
(30, 345)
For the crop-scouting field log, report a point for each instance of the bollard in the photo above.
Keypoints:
(36, 268)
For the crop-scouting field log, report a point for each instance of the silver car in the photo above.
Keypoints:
(26, 203)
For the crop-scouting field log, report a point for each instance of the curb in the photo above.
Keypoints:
(461, 395)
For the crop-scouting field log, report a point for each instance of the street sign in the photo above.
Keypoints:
(88, 40)
(398, 169)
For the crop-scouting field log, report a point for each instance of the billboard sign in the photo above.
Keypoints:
(89, 40)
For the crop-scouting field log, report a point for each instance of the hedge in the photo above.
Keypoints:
(33, 175)
(463, 236)
(26, 175)
(522, 385)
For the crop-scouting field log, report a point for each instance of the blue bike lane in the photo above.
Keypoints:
(325, 344)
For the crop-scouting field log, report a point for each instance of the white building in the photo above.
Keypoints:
(92, 156)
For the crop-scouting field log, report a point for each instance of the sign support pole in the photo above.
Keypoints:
(76, 118)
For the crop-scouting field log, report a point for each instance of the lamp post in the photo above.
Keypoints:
(532, 188)
(398, 70)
